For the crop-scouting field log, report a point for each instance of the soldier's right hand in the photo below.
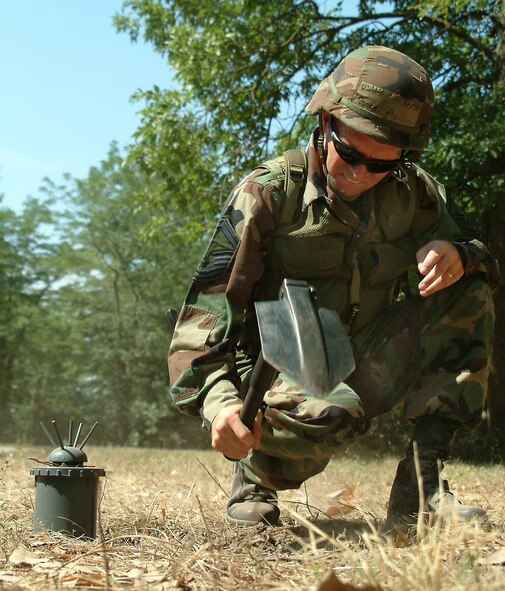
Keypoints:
(231, 437)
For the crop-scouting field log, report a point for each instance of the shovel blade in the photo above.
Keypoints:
(307, 343)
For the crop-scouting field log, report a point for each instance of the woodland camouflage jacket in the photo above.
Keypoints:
(355, 258)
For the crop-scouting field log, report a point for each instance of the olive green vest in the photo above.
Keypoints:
(355, 271)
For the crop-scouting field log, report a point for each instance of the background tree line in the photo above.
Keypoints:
(83, 325)
(82, 318)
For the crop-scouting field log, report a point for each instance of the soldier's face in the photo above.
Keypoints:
(353, 179)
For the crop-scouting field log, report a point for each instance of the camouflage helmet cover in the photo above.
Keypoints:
(381, 93)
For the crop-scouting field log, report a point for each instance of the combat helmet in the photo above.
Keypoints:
(382, 93)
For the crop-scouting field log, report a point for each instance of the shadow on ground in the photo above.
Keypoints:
(325, 533)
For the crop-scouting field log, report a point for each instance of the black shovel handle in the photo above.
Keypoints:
(262, 377)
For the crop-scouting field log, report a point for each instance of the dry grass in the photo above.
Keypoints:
(162, 527)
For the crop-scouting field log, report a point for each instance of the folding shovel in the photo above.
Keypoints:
(305, 342)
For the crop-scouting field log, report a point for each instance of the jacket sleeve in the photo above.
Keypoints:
(201, 358)
(453, 226)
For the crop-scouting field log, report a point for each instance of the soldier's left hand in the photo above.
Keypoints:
(440, 263)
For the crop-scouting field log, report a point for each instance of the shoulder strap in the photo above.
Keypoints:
(294, 180)
(436, 188)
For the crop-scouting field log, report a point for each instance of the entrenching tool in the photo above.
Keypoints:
(307, 343)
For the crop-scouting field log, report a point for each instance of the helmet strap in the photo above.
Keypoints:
(320, 142)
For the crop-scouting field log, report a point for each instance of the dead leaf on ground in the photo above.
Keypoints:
(344, 493)
(401, 540)
(135, 573)
(24, 557)
(151, 576)
(334, 511)
(94, 579)
(344, 498)
(331, 582)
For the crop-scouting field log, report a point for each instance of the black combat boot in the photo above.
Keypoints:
(250, 503)
(433, 436)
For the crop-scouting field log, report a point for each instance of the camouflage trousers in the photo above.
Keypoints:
(431, 354)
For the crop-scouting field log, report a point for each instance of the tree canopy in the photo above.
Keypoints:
(87, 273)
(246, 69)
(83, 325)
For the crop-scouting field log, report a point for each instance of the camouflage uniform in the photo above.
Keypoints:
(433, 354)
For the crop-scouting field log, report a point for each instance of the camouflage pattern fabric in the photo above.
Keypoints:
(301, 433)
(432, 354)
(380, 92)
(217, 327)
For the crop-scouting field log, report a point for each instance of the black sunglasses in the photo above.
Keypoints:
(352, 156)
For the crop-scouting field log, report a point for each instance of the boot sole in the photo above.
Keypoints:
(247, 523)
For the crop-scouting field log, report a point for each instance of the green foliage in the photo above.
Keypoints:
(444, 8)
(84, 329)
(245, 71)
(26, 277)
(482, 445)
(236, 61)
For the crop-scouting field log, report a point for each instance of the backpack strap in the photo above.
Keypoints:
(294, 181)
